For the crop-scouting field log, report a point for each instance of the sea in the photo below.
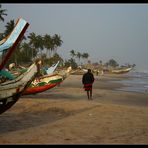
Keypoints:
(138, 82)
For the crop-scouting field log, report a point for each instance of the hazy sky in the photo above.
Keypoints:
(104, 31)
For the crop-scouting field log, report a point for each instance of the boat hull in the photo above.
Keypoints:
(121, 71)
(44, 83)
(5, 104)
(38, 89)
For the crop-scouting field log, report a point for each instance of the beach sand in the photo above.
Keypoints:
(64, 115)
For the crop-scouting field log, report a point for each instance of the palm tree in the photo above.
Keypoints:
(57, 42)
(72, 52)
(9, 27)
(2, 12)
(26, 53)
(79, 55)
(34, 43)
(71, 62)
(1, 36)
(85, 55)
(40, 44)
(47, 43)
(100, 62)
(51, 43)
(113, 63)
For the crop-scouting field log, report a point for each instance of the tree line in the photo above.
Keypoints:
(44, 47)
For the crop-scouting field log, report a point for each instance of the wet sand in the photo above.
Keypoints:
(63, 115)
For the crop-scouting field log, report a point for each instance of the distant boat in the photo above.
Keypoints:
(121, 70)
(85, 70)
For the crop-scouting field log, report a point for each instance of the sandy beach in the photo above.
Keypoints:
(64, 115)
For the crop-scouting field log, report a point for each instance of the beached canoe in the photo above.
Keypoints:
(46, 82)
(43, 84)
(121, 70)
(11, 90)
(39, 89)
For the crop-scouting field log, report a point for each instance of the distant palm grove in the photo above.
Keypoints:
(44, 47)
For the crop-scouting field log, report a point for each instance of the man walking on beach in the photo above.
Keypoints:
(87, 80)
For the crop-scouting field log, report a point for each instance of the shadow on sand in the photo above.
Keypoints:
(13, 122)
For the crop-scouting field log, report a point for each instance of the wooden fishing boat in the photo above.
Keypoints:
(43, 84)
(46, 82)
(121, 70)
(65, 73)
(10, 91)
(39, 89)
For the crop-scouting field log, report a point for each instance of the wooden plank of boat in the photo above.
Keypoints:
(52, 78)
(38, 89)
(5, 104)
(43, 85)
